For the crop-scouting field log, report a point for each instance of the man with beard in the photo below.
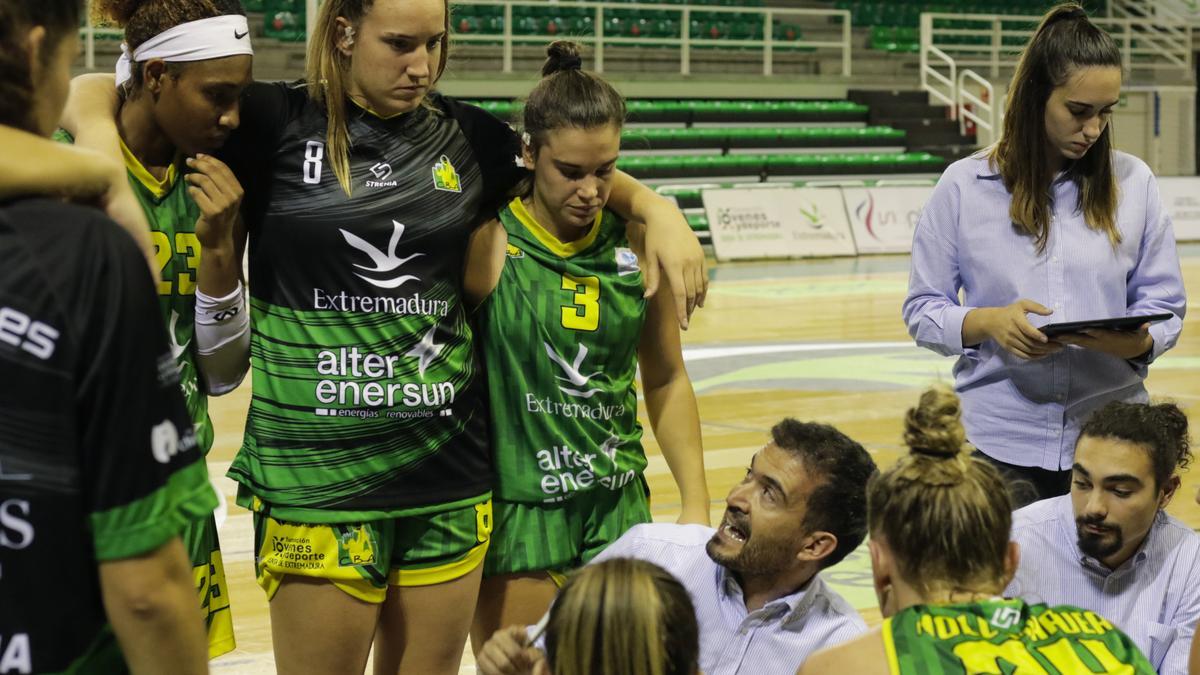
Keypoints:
(1109, 546)
(761, 606)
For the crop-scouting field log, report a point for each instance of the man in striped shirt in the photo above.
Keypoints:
(1109, 546)
(760, 603)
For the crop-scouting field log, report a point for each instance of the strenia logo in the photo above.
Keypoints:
(577, 379)
(381, 171)
(383, 263)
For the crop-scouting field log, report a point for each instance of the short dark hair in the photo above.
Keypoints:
(59, 18)
(1162, 429)
(839, 503)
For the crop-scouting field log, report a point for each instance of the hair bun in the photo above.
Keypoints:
(934, 427)
(562, 55)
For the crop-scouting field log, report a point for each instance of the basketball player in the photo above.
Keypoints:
(99, 466)
(564, 327)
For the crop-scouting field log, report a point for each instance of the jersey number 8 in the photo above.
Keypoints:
(314, 153)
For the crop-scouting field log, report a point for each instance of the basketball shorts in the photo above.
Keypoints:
(363, 559)
(208, 572)
(563, 536)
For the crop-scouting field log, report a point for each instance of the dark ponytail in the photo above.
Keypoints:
(569, 97)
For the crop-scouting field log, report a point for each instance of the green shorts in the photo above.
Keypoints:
(208, 573)
(560, 537)
(364, 558)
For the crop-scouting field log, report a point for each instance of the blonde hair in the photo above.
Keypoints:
(326, 69)
(622, 616)
(945, 515)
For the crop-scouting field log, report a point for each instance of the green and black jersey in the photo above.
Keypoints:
(98, 459)
(368, 400)
(560, 342)
(1010, 637)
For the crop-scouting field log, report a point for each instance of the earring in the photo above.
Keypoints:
(348, 38)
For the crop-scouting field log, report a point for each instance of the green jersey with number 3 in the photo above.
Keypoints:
(1008, 637)
(561, 333)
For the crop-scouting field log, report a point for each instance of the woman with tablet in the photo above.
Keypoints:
(1051, 222)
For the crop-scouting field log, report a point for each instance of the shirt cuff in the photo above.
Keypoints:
(952, 323)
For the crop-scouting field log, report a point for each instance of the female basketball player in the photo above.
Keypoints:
(1051, 221)
(99, 471)
(182, 77)
(940, 555)
(365, 458)
(564, 328)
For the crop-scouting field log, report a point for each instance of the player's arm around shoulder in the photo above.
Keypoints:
(865, 655)
(150, 600)
(670, 399)
(484, 262)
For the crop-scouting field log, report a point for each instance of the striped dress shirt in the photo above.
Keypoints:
(1028, 413)
(775, 639)
(1154, 596)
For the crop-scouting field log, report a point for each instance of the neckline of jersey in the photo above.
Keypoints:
(551, 242)
(158, 188)
(403, 118)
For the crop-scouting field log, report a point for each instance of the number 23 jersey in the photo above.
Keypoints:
(367, 396)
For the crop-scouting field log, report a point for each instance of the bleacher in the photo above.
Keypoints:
(685, 146)
(284, 20)
(894, 24)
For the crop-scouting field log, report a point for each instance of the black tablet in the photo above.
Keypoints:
(1120, 323)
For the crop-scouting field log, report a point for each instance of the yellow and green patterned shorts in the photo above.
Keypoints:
(364, 558)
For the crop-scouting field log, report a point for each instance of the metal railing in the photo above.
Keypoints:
(941, 87)
(997, 40)
(598, 39)
(981, 110)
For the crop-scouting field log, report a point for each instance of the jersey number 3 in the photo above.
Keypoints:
(584, 311)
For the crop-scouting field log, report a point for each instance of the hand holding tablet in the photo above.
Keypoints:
(1123, 323)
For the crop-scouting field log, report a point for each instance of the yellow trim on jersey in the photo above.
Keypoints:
(558, 578)
(440, 573)
(158, 188)
(890, 647)
(550, 241)
(382, 117)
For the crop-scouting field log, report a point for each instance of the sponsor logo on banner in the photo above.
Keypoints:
(747, 223)
(883, 218)
(1181, 200)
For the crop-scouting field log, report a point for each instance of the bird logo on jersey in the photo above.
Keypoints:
(577, 379)
(384, 263)
(445, 177)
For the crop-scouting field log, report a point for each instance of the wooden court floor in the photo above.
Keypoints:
(816, 340)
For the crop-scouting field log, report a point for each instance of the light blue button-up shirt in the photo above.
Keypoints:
(774, 639)
(1029, 412)
(1154, 596)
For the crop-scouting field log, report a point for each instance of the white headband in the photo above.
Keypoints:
(201, 40)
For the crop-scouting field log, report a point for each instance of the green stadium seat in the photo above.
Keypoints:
(284, 20)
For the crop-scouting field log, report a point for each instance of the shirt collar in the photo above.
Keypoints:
(789, 607)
